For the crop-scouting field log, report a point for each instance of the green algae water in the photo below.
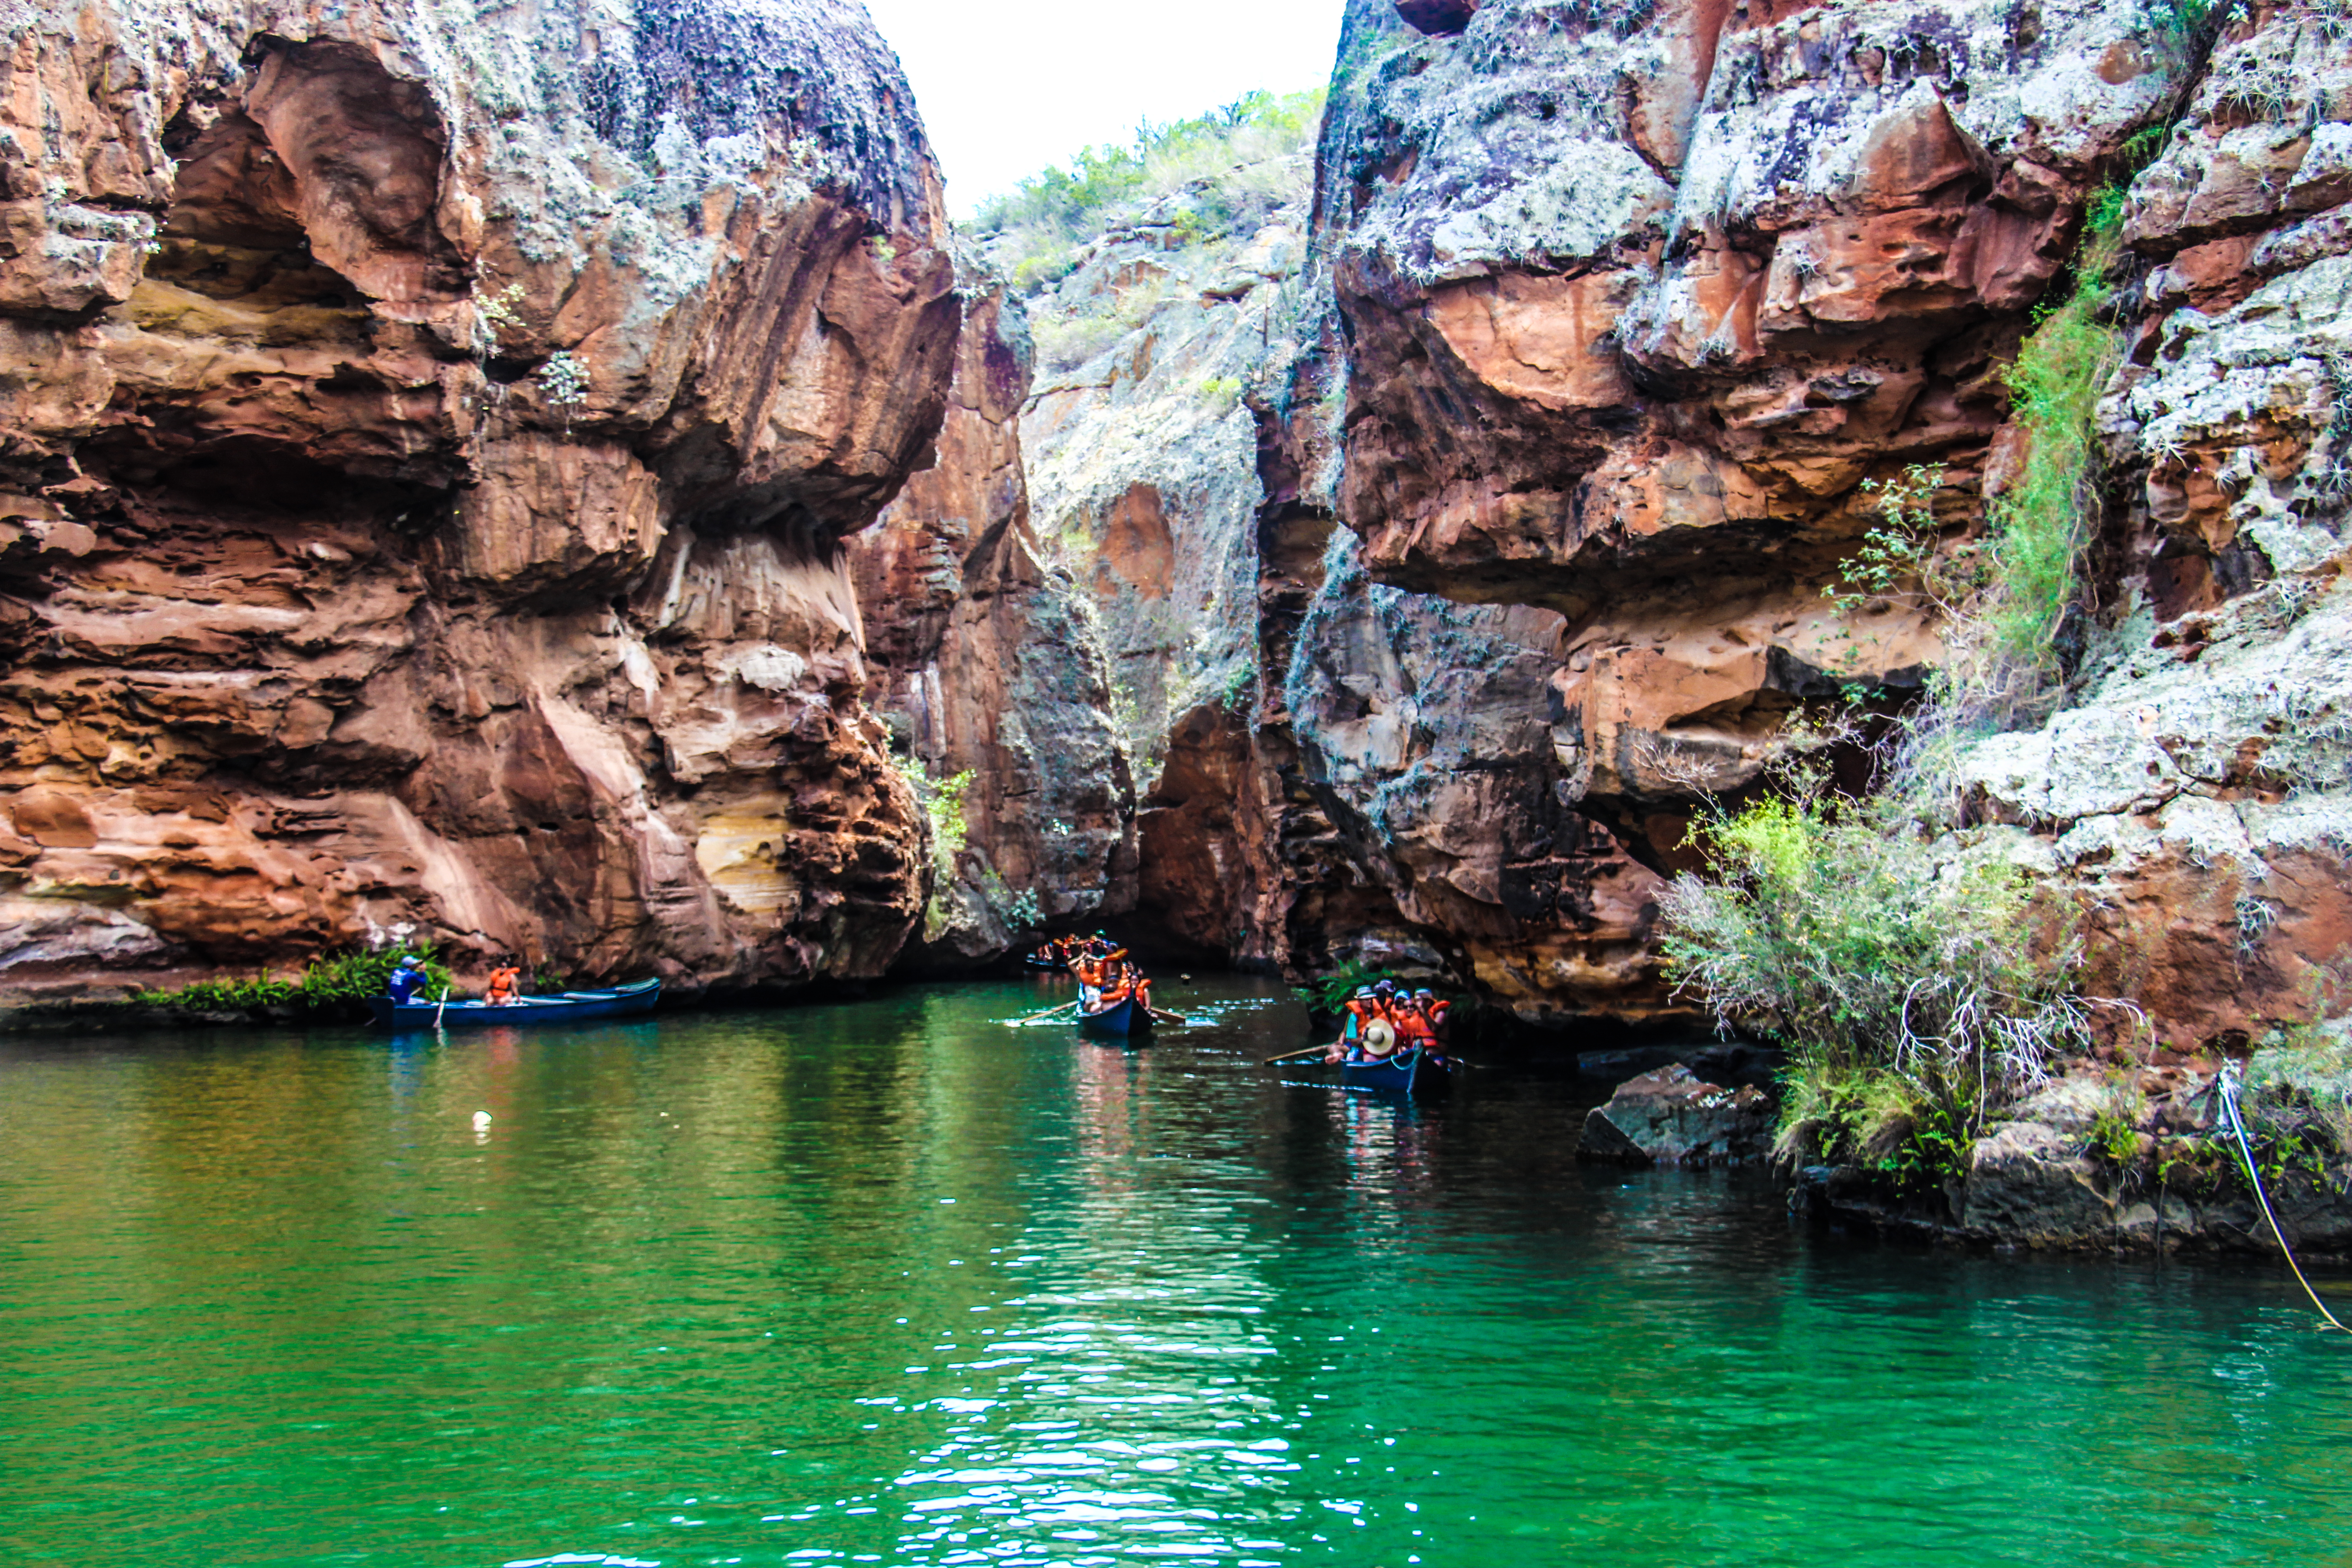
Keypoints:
(890, 1282)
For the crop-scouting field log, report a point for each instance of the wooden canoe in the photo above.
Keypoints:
(564, 1007)
(1420, 1074)
(1120, 1020)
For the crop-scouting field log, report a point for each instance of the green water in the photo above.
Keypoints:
(889, 1282)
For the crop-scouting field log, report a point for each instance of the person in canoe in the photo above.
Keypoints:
(1434, 1008)
(506, 983)
(1126, 980)
(1091, 973)
(1371, 1032)
(407, 977)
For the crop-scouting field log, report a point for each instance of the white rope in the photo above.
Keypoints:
(2228, 1084)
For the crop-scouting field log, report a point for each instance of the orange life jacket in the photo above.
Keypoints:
(502, 985)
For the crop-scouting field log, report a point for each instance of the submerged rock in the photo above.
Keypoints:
(1672, 1118)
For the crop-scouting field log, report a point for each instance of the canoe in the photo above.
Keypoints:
(564, 1007)
(1120, 1020)
(1050, 967)
(1417, 1073)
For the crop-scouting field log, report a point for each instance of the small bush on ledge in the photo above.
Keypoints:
(1911, 991)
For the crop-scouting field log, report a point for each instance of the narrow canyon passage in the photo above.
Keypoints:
(1703, 645)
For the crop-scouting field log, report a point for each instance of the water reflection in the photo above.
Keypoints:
(895, 1283)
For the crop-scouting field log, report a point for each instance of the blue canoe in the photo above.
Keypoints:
(1417, 1073)
(564, 1007)
(1121, 1020)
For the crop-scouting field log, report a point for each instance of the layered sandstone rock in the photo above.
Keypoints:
(427, 446)
(1669, 295)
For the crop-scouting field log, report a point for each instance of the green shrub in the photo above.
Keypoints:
(2298, 1095)
(1219, 391)
(2181, 29)
(1331, 993)
(942, 801)
(339, 980)
(2113, 1136)
(2045, 520)
(1911, 992)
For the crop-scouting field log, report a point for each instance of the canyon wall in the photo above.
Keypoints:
(426, 446)
(991, 668)
(440, 465)
(1331, 770)
(1611, 326)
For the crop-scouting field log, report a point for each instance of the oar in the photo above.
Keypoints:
(1294, 1055)
(1037, 1017)
(1170, 1017)
(441, 1009)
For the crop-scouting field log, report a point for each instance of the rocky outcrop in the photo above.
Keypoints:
(1332, 770)
(428, 449)
(1632, 313)
(992, 665)
(2197, 786)
(2134, 1162)
(1671, 1118)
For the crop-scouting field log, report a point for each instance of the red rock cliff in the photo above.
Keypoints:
(1609, 320)
(1632, 305)
(991, 664)
(427, 455)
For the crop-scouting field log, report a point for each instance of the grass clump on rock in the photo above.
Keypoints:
(1912, 992)
(2044, 521)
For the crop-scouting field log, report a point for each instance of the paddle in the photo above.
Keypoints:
(1294, 1055)
(441, 1009)
(1170, 1017)
(1038, 1017)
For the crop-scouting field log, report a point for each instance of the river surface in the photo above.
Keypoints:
(891, 1282)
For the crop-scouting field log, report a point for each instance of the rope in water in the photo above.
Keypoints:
(2228, 1084)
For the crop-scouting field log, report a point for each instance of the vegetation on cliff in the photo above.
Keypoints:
(1220, 161)
(1911, 992)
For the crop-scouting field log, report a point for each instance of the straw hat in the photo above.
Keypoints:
(1379, 1038)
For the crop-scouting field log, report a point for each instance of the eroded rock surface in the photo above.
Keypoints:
(1632, 310)
(2161, 1175)
(428, 444)
(993, 665)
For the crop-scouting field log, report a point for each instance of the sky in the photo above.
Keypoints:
(1008, 87)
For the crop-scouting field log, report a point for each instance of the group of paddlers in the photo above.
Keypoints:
(1107, 976)
(1386, 1020)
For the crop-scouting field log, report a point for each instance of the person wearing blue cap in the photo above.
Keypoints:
(405, 977)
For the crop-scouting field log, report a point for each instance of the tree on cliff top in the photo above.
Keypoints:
(1035, 231)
